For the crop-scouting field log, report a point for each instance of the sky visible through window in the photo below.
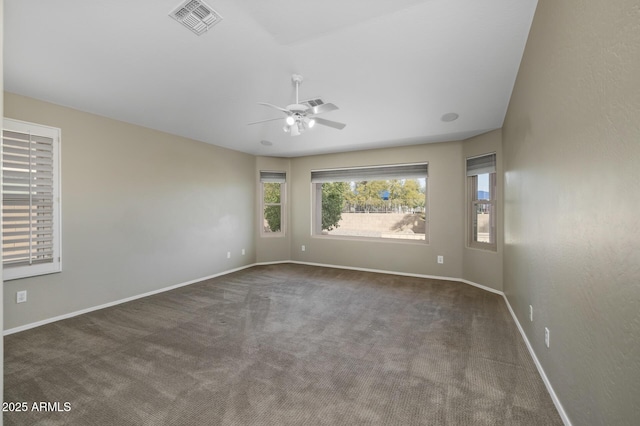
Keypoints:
(483, 183)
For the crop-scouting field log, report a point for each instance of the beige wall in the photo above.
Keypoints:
(485, 266)
(274, 248)
(141, 210)
(445, 199)
(572, 207)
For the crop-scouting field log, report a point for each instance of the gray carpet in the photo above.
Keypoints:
(284, 345)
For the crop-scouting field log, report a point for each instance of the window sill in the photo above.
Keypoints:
(20, 272)
(487, 249)
(273, 235)
(372, 239)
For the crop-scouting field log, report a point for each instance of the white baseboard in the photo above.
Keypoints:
(117, 302)
(543, 375)
(403, 274)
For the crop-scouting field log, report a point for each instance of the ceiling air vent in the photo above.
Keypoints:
(196, 15)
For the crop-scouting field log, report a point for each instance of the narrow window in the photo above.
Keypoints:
(273, 185)
(30, 199)
(481, 184)
(381, 202)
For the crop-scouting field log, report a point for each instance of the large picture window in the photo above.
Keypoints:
(273, 202)
(481, 184)
(30, 199)
(384, 202)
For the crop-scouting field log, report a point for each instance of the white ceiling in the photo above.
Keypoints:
(393, 67)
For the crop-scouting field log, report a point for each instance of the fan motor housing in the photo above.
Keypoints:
(298, 109)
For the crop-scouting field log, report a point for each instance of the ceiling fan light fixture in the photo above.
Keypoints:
(301, 116)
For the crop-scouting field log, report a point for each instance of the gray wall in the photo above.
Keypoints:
(141, 210)
(445, 188)
(485, 266)
(446, 199)
(572, 207)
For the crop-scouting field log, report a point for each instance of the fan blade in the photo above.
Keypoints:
(264, 121)
(321, 109)
(275, 107)
(330, 123)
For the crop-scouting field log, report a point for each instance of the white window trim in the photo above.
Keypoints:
(472, 202)
(23, 271)
(283, 210)
(317, 179)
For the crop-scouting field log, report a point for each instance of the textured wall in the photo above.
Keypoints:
(485, 266)
(571, 143)
(141, 210)
(445, 188)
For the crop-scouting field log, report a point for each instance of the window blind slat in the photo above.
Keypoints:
(15, 138)
(482, 164)
(25, 181)
(9, 258)
(24, 223)
(7, 234)
(24, 174)
(10, 201)
(41, 167)
(273, 177)
(405, 171)
(25, 189)
(8, 149)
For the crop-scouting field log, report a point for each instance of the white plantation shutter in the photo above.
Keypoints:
(30, 199)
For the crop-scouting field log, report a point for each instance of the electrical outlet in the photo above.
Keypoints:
(228, 255)
(440, 259)
(546, 336)
(530, 313)
(304, 248)
(243, 252)
(21, 296)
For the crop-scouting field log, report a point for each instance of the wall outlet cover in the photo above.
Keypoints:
(546, 336)
(530, 313)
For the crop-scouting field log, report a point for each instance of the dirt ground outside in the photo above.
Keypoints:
(382, 225)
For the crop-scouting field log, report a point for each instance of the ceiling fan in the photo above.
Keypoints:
(301, 117)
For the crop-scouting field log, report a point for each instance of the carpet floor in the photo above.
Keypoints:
(283, 345)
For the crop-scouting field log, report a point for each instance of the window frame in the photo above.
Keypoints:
(271, 176)
(316, 199)
(17, 271)
(473, 201)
